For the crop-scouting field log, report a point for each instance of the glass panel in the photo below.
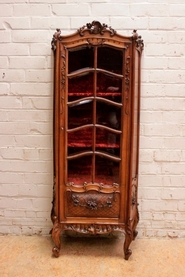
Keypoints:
(107, 171)
(80, 58)
(76, 150)
(110, 59)
(107, 141)
(108, 115)
(80, 138)
(80, 170)
(109, 87)
(81, 85)
(80, 113)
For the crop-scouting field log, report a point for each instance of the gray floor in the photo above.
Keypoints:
(22, 256)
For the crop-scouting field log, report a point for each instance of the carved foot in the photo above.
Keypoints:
(128, 253)
(128, 240)
(56, 237)
(56, 252)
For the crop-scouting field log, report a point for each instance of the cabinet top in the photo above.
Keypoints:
(97, 30)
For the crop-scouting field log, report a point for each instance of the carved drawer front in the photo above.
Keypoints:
(92, 204)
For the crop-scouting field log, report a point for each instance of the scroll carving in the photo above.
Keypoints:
(134, 205)
(97, 187)
(94, 228)
(133, 220)
(56, 37)
(127, 83)
(56, 231)
(63, 68)
(138, 40)
(95, 42)
(96, 28)
(134, 191)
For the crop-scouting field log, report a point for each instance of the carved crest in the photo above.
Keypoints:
(138, 40)
(56, 36)
(96, 28)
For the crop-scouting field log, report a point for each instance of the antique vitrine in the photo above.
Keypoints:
(96, 132)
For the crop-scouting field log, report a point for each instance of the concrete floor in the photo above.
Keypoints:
(22, 256)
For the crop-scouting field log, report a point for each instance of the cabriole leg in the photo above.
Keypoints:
(127, 251)
(56, 231)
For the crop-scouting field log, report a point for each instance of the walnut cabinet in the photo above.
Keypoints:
(96, 132)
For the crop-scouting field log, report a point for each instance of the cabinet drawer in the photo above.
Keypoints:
(92, 204)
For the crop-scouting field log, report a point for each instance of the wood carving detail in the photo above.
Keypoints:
(56, 231)
(127, 84)
(91, 202)
(139, 41)
(134, 191)
(95, 42)
(56, 37)
(94, 228)
(133, 220)
(96, 28)
(96, 187)
(63, 75)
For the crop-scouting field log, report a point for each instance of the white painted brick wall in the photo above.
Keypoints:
(26, 95)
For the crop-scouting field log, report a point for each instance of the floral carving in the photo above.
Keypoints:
(127, 83)
(92, 203)
(94, 228)
(96, 28)
(63, 77)
(96, 42)
(134, 191)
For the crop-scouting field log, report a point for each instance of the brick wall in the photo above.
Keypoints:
(26, 60)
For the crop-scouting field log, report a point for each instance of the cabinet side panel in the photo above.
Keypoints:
(55, 210)
(62, 129)
(125, 144)
(135, 118)
(133, 187)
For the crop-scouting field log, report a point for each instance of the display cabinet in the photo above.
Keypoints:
(96, 132)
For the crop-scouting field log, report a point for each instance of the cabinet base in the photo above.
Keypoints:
(91, 229)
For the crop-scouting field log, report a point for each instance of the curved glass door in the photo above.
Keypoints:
(95, 80)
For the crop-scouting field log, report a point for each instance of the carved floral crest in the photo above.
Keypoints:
(96, 28)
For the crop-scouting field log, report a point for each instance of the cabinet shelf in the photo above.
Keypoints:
(89, 144)
(99, 94)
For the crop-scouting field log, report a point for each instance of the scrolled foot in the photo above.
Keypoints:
(56, 252)
(57, 228)
(128, 253)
